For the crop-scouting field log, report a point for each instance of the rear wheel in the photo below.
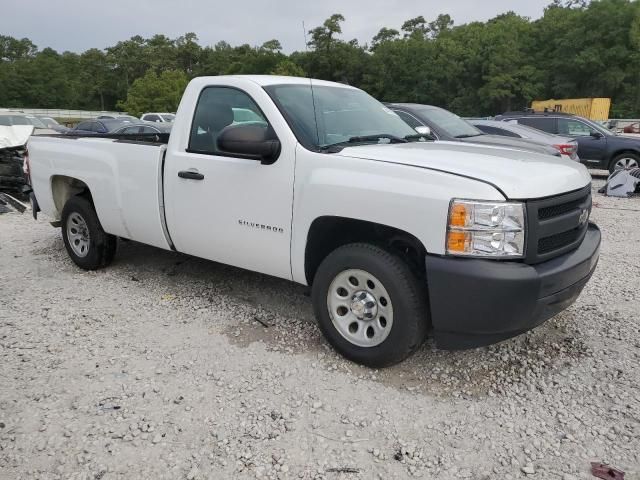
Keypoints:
(369, 304)
(88, 245)
(624, 161)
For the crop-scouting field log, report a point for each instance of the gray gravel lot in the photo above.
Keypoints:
(167, 366)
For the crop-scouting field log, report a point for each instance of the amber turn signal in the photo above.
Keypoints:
(457, 241)
(458, 215)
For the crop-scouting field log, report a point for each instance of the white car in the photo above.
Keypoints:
(158, 117)
(397, 237)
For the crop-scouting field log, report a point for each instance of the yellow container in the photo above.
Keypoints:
(592, 108)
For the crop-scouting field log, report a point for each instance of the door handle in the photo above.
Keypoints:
(191, 175)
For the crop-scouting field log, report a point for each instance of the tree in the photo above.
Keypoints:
(384, 35)
(155, 92)
(288, 68)
(415, 28)
(323, 37)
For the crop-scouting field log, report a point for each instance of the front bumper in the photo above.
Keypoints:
(479, 302)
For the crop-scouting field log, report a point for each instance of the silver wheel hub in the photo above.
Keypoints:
(360, 308)
(626, 163)
(364, 305)
(78, 234)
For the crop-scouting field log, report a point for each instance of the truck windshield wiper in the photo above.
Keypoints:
(469, 135)
(334, 147)
(377, 136)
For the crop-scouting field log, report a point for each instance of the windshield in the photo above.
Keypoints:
(48, 121)
(598, 127)
(449, 123)
(168, 117)
(340, 115)
(37, 122)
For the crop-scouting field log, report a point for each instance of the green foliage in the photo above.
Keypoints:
(288, 68)
(576, 49)
(155, 92)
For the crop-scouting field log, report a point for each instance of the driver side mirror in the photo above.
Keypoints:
(251, 141)
(596, 134)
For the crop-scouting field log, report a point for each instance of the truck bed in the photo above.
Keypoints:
(123, 175)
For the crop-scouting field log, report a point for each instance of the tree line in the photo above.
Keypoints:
(576, 49)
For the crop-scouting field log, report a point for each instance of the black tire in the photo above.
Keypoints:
(407, 294)
(101, 246)
(617, 158)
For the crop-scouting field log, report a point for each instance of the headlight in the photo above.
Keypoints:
(486, 229)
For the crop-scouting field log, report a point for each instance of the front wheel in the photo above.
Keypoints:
(369, 304)
(88, 245)
(624, 161)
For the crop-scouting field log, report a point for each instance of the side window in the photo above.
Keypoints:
(541, 123)
(148, 130)
(84, 126)
(98, 127)
(573, 128)
(409, 119)
(217, 108)
(152, 118)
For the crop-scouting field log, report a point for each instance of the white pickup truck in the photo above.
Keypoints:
(319, 183)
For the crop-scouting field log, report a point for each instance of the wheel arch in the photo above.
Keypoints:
(326, 233)
(64, 187)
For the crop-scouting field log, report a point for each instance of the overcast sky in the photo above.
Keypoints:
(78, 25)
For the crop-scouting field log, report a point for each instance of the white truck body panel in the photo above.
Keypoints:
(124, 180)
(415, 200)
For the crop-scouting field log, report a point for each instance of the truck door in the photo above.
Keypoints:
(224, 208)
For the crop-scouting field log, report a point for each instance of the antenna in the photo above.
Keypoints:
(313, 96)
(304, 34)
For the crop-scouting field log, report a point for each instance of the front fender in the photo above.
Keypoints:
(408, 198)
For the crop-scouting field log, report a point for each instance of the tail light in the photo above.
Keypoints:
(567, 148)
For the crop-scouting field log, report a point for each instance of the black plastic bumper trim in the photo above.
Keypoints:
(479, 302)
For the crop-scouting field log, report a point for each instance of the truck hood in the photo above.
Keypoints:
(518, 174)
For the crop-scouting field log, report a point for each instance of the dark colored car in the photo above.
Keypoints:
(98, 126)
(598, 147)
(444, 125)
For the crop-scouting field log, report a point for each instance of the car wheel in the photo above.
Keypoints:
(624, 161)
(369, 304)
(86, 242)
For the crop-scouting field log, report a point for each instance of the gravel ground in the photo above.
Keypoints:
(167, 366)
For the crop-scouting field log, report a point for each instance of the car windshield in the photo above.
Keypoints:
(168, 117)
(598, 127)
(341, 115)
(36, 122)
(449, 123)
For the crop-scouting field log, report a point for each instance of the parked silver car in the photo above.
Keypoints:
(567, 146)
